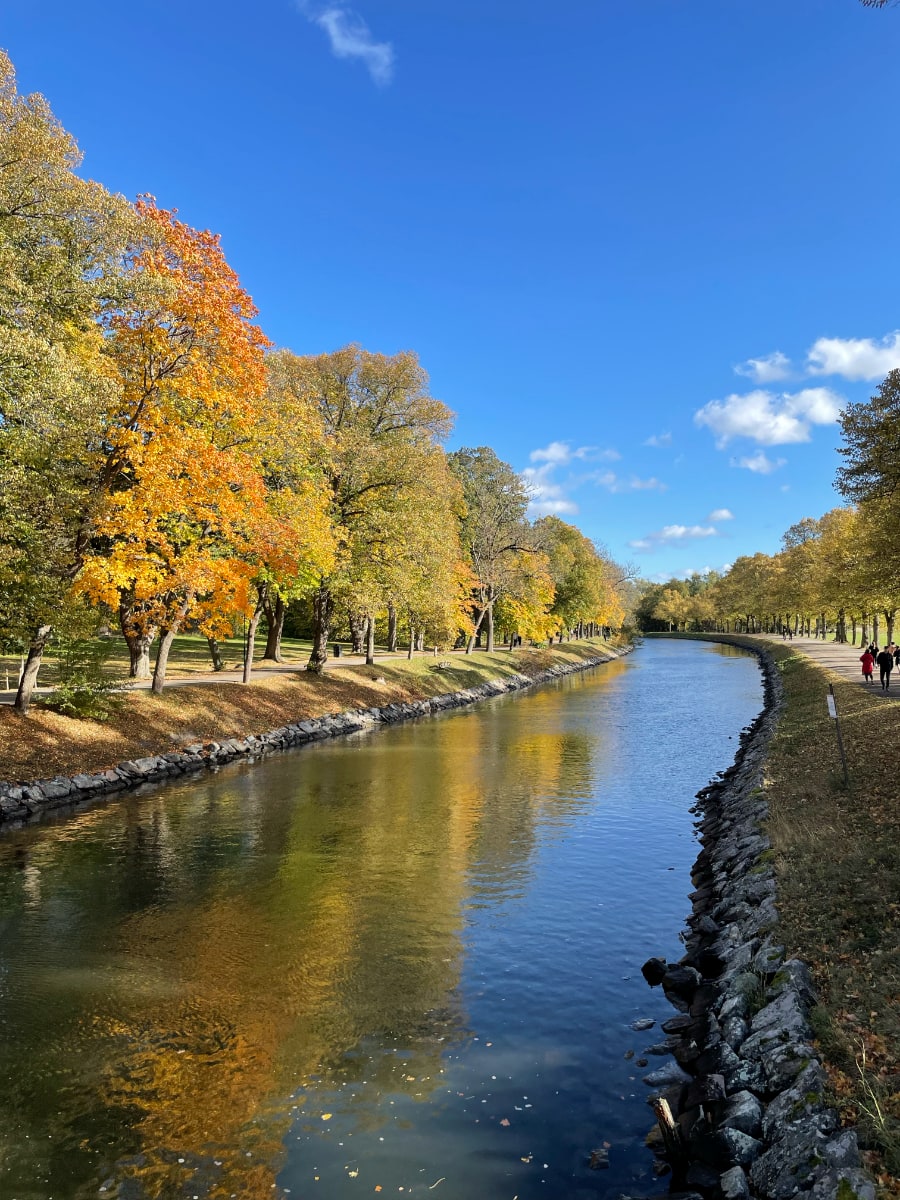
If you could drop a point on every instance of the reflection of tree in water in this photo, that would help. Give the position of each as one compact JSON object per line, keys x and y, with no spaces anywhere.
{"x":530,"y":769}
{"x":216,"y":955}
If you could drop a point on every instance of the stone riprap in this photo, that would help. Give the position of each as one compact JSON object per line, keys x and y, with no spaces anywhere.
{"x":749,"y":1101}
{"x":20,"y":802}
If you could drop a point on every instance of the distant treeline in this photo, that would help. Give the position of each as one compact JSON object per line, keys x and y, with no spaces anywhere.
{"x":838,"y":571}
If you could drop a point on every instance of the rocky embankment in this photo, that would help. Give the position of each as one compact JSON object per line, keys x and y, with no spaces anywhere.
{"x":748,"y":1094}
{"x":21,"y":802}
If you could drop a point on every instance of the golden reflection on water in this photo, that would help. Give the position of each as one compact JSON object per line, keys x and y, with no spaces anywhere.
{"x":202,"y":953}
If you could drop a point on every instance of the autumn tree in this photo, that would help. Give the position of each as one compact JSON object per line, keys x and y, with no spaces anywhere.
{"x":180,"y":487}
{"x":380,"y":426}
{"x":60,"y":243}
{"x":494,"y":533}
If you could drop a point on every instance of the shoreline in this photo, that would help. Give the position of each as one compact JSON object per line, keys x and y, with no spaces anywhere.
{"x":749,"y":1099}
{"x":27,"y":802}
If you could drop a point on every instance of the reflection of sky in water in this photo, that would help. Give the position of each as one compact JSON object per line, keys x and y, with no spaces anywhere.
{"x":406,"y":962}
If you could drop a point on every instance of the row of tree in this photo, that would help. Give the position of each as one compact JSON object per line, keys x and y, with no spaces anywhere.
{"x":162,"y":463}
{"x":841,"y":570}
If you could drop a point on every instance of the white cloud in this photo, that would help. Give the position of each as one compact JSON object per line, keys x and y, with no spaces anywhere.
{"x":350,"y":37}
{"x":546,"y":495}
{"x":670,"y":534}
{"x":854,"y":358}
{"x":556,"y":452}
{"x":769,"y":369}
{"x":560,"y":453}
{"x":769,"y":418}
{"x":759,"y":463}
{"x":660,"y":440}
{"x":615,"y":484}
{"x":721,"y":514}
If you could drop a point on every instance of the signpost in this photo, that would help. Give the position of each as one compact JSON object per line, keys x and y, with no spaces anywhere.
{"x":832,"y":712}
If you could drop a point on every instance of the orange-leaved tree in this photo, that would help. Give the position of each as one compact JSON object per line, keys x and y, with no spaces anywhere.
{"x":180,"y":489}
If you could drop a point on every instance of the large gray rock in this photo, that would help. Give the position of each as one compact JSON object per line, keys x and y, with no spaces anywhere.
{"x":843,"y":1183}
{"x":734,"y":1185}
{"x":782,"y":1064}
{"x":788,"y":1166}
{"x":843,"y":1150}
{"x":743,"y":1111}
{"x":665,"y":1076}
{"x":803,"y":1099}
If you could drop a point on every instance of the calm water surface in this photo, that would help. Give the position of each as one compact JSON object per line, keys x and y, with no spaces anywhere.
{"x":403,"y":963}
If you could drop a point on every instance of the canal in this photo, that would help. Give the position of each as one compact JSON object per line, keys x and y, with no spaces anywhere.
{"x":403,"y":963}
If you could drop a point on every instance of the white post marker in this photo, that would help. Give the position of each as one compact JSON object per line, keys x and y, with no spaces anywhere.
{"x":832,"y":712}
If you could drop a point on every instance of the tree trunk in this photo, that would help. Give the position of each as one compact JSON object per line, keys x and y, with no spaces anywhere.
{"x":490,"y":630}
{"x":167,"y":637}
{"x":275,"y":614}
{"x":251,"y":643}
{"x":32,"y":666}
{"x":864,"y":632}
{"x":889,"y":615}
{"x":139,"y":639}
{"x":853,"y":627}
{"x":420,"y":641}
{"x":392,"y":629}
{"x":370,"y":641}
{"x":162,"y":660}
{"x":215,"y":654}
{"x":875,"y":629}
{"x":412,"y":640}
{"x":470,"y":645}
{"x":323,"y":611}
{"x":357,"y":632}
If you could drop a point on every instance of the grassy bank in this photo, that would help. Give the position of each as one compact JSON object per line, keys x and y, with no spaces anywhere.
{"x":838,"y":864}
{"x":837,"y":857}
{"x":44,"y":744}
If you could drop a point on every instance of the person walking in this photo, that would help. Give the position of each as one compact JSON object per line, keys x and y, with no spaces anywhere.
{"x":868,"y":665}
{"x":885,"y":662}
{"x":897,"y":657}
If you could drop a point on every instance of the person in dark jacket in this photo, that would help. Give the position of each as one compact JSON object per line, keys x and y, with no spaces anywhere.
{"x":885,"y":662}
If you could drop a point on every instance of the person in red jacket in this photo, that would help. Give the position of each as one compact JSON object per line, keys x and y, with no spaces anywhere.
{"x":867,"y":658}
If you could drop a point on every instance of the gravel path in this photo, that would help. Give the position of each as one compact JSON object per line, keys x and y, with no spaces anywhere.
{"x":844,"y":661}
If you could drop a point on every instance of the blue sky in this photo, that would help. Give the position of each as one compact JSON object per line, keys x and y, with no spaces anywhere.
{"x":644,"y":249}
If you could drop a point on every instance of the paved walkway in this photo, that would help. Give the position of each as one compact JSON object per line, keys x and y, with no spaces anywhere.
{"x":232,"y":676}
{"x":259,"y":669}
{"x":844,"y":661}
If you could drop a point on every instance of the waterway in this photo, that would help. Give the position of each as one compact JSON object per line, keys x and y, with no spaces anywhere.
{"x":403,"y":963}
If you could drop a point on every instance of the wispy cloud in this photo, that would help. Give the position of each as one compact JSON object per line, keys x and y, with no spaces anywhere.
{"x":770,"y":418}
{"x":350,"y":37}
{"x":547,"y":496}
{"x":769,"y":369}
{"x":561,"y":453}
{"x":721,"y":514}
{"x":616,"y":484}
{"x":672,"y":535}
{"x":854,"y":358}
{"x":660,"y":440}
{"x":759,"y":463}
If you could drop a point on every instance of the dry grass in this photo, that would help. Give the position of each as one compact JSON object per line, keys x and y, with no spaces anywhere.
{"x":44,"y":744}
{"x":838,"y":864}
